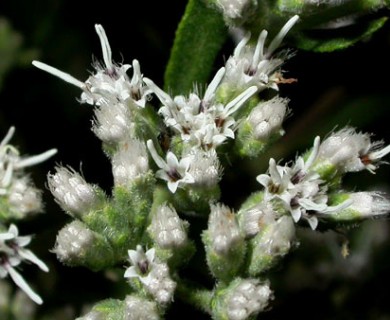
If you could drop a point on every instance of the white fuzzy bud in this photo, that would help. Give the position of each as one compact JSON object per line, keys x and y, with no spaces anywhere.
{"x":205,"y":167}
{"x":254,"y":219}
{"x":266,"y":119}
{"x":223,"y":229}
{"x":113,"y":123}
{"x":363,"y":205}
{"x":129,"y":162}
{"x":278,"y":238}
{"x":352,"y":151}
{"x":233,"y":9}
{"x":24,"y":198}
{"x":166,"y":229}
{"x":72,"y":192}
{"x":369,"y":204}
{"x":73,"y":241}
{"x":246,"y":298}
{"x":159,"y":283}
{"x":137,"y":308}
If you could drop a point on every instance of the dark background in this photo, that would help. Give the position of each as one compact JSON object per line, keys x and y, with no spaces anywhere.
{"x":349,"y":87}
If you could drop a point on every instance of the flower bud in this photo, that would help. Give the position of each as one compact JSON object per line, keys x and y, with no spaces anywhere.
{"x":167,"y":229}
{"x":270,"y":245}
{"x":363,"y":205}
{"x":242,"y":299}
{"x":224,"y":243}
{"x":137,"y":308}
{"x":77,"y":245}
{"x":72,"y":192}
{"x":129,"y":162}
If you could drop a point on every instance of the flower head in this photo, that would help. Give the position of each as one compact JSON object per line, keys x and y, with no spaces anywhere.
{"x":175,"y":172}
{"x":201,"y":122}
{"x":352,"y":151}
{"x":22,"y":197}
{"x":110,"y":83}
{"x":254,"y":65}
{"x":72,"y":192}
{"x":12,"y":253}
{"x":154,"y":275}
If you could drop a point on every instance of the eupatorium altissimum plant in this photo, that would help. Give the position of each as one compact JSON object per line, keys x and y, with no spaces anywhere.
{"x":168,"y":156}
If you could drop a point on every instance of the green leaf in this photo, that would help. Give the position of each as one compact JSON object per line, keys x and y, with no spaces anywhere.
{"x":331,"y":40}
{"x":199,"y":37}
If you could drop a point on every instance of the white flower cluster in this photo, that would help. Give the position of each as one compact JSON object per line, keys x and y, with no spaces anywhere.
{"x":12,"y":254}
{"x":201,"y":122}
{"x":304,"y":193}
{"x":18,"y":198}
{"x":16,"y":190}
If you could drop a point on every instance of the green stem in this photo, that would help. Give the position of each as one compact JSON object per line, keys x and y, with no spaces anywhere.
{"x":193,"y":295}
{"x":199,"y":38}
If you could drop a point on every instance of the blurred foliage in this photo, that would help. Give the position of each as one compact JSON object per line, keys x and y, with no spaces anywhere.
{"x":346,"y":87}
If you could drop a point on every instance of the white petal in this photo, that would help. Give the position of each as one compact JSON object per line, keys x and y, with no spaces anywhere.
{"x":157,"y":159}
{"x":280,"y":36}
{"x":22,"y":284}
{"x":172,"y":186}
{"x":30,"y":161}
{"x":296,"y":214}
{"x":212,"y":87}
{"x":172,"y":161}
{"x":8,"y":136}
{"x":58,"y":73}
{"x":30,"y":256}
{"x":313,"y":222}
{"x":131,"y":272}
{"x":106,"y":49}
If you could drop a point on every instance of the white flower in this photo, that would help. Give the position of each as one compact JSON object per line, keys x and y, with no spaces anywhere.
{"x":141,"y":263}
{"x":154,"y":275}
{"x":174,"y":172}
{"x":300,"y":190}
{"x":254,"y":66}
{"x":110,"y":83}
{"x":15,"y":186}
{"x":205,"y":122}
{"x":12,"y":253}
{"x":72,"y":192}
{"x":11,"y":162}
{"x":352,"y":151}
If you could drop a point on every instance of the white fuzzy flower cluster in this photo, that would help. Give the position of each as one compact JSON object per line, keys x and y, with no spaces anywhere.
{"x":12,"y":254}
{"x":202,"y":123}
{"x":167,"y":229}
{"x":72,"y":192}
{"x":17,"y":193}
{"x":18,"y":198}
{"x":247,"y":298}
{"x":302,"y":191}
{"x":153,"y":274}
